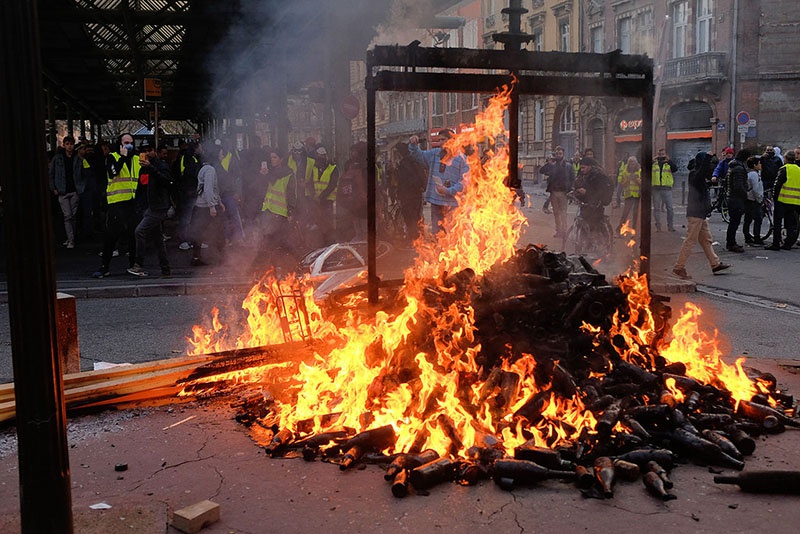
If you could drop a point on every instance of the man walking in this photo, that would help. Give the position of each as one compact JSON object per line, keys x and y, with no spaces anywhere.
{"x":697,"y":224}
{"x":560,"y":178}
{"x":736,"y":192}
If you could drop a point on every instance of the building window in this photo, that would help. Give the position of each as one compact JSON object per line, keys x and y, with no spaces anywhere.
{"x":680,"y":24}
{"x":624,"y":35}
{"x":563,"y":35}
{"x":438,"y":104}
{"x":704,"y":18}
{"x":452,"y":102}
{"x":598,"y":47}
{"x":538,"y":120}
{"x":567,"y":123}
{"x":644,"y":33}
{"x":537,"y":42}
{"x":471,"y":34}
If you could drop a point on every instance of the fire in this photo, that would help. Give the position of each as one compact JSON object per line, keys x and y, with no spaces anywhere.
{"x":415,"y":367}
{"x":689,"y":343}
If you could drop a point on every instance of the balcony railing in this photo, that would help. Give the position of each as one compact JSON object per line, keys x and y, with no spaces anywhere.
{"x":706,"y":67}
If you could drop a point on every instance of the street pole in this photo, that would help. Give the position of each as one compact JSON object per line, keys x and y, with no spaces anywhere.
{"x":45,"y":497}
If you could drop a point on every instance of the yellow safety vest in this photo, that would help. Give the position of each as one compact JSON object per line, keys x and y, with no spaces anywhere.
{"x":790,"y":190}
{"x":275,"y":200}
{"x":226,"y":162}
{"x":310,"y":166}
{"x":323,"y":180}
{"x":123,"y":186}
{"x":663,"y":176}
{"x":630,"y":189}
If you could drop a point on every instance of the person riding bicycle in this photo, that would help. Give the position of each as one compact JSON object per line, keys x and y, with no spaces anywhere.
{"x":594,"y":189}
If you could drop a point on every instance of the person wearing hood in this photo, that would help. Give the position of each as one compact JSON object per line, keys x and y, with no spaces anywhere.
{"x":736,"y":192}
{"x":778,"y":154}
{"x":697,"y":207}
{"x":770,"y":163}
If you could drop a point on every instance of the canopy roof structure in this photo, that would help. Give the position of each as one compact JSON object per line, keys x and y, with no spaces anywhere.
{"x":97,"y":53}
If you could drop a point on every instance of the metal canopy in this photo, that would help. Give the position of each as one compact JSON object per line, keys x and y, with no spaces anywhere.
{"x":395,"y":68}
{"x":96,"y":53}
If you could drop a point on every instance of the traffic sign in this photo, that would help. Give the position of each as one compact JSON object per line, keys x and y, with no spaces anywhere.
{"x":742,"y":129}
{"x":152,"y":90}
{"x":743,"y":117}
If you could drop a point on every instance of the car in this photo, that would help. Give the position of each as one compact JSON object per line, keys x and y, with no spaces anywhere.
{"x":339,"y":265}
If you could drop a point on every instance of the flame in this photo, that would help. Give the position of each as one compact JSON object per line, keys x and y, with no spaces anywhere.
{"x":415,"y":368}
{"x":690,"y":342}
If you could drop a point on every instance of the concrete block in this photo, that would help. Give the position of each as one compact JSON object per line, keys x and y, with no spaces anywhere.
{"x":67,"y":333}
{"x":196,"y":517}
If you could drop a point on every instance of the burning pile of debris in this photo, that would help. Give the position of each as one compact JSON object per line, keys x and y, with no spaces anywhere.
{"x":561,"y":387}
{"x":490,"y":361}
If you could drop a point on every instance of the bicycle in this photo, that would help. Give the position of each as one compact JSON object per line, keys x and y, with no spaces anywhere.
{"x":719,"y":202}
{"x":584,"y":239}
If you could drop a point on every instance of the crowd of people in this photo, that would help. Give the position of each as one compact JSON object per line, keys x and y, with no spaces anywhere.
{"x":286,"y":205}
{"x":213,"y":195}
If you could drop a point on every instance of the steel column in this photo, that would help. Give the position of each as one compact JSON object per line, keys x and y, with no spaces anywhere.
{"x":45,"y":498}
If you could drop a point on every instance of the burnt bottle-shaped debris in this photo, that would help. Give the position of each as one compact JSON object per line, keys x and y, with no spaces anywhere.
{"x":782,"y":482}
{"x":723,"y":443}
{"x":526,"y":472}
{"x":400,"y":483}
{"x":409,"y":461}
{"x":626,"y":470}
{"x":704,"y":450}
{"x":279,"y":442}
{"x":655,"y":485}
{"x":350,"y":457}
{"x":543,"y":456}
{"x":757,"y":412}
{"x":641,"y":456}
{"x":584,"y":477}
{"x":433,"y":473}
{"x":654,"y":467}
{"x":604,"y":472}
{"x":742,"y":440}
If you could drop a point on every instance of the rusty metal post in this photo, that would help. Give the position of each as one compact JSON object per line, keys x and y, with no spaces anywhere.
{"x":647,"y":181}
{"x":45,"y":498}
{"x":512,"y":40}
{"x":372,"y":276}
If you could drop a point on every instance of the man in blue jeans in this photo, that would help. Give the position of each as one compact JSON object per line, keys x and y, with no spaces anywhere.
{"x":446,"y":177}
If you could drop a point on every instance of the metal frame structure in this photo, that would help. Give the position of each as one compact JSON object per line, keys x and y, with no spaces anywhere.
{"x":414,"y":68}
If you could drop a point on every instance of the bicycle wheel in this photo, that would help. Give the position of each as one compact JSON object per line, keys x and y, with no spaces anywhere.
{"x":723,"y":209}
{"x":766,"y":221}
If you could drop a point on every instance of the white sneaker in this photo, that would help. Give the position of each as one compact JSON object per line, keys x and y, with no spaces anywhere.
{"x":70,"y":245}
{"x":184,"y":246}
{"x":203,"y":245}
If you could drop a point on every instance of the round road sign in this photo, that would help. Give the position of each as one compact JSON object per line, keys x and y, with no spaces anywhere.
{"x":743,"y":118}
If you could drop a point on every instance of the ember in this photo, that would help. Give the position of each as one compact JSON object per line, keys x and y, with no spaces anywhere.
{"x":487,"y":352}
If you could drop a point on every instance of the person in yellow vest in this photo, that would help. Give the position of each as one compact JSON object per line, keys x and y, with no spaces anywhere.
{"x":787,"y":203}
{"x":630,"y":181}
{"x":278,"y":209}
{"x":326,"y":178}
{"x":229,"y":176}
{"x":662,"y":188}
{"x":302,"y":164}
{"x":123,"y":171}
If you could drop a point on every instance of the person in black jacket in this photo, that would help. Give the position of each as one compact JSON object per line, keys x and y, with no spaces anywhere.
{"x":560,"y":178}
{"x":697,"y":205}
{"x":736,"y":192}
{"x":159,"y":187}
